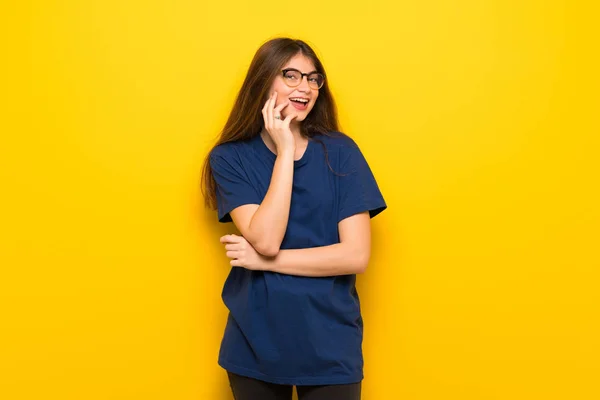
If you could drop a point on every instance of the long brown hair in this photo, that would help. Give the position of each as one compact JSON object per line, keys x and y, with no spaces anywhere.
{"x":245,"y":120}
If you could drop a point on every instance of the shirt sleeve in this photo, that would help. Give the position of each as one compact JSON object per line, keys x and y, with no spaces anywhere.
{"x":359,"y":191}
{"x":233,"y":186}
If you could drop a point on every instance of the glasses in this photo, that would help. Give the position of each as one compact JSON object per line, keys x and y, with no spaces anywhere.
{"x":292,"y":77}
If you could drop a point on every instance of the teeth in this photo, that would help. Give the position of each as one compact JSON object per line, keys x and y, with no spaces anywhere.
{"x":300,"y":100}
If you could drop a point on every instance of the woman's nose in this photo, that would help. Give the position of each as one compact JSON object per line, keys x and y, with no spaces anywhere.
{"x":304,"y":84}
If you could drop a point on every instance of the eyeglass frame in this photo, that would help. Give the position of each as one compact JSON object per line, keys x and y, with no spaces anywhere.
{"x":302,"y":75}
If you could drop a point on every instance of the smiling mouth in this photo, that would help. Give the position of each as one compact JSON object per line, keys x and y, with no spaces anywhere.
{"x":300,"y":100}
{"x":299,"y":103}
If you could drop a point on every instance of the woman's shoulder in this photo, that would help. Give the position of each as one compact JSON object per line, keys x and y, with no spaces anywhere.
{"x":336,"y":139}
{"x":230,"y":149}
{"x":339,"y":145}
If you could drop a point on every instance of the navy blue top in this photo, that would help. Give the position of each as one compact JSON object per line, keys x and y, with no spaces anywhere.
{"x":289,"y":329}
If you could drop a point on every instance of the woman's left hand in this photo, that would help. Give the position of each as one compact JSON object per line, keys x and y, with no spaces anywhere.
{"x":242,"y":253}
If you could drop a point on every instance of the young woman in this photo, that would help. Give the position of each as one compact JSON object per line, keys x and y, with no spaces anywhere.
{"x":301,"y":194}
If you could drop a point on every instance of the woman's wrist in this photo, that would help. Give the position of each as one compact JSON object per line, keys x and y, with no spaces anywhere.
{"x":286,"y":153}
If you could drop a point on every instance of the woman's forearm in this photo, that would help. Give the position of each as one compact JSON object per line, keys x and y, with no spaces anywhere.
{"x":332,"y":260}
{"x":269,"y":222}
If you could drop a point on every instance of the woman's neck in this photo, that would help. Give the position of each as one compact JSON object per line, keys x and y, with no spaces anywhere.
{"x":301,"y":141}
{"x":296,"y":129}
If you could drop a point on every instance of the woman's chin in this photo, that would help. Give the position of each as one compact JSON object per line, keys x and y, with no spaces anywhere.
{"x":299,"y":117}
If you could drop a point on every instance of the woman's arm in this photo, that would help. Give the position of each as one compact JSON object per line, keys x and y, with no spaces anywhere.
{"x":264,"y":225}
{"x":350,"y":256}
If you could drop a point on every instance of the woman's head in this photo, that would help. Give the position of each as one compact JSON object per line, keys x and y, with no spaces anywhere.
{"x":275,"y":67}
{"x":265,"y":75}
{"x":292,"y":87}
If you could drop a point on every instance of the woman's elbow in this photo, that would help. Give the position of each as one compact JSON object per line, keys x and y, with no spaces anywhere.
{"x":362,"y":261}
{"x":361,"y":269}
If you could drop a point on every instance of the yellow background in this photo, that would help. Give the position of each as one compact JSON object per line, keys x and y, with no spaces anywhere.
{"x":478,"y":118}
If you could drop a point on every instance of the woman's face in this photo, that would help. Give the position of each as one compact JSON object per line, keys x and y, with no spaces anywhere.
{"x":299,"y":95}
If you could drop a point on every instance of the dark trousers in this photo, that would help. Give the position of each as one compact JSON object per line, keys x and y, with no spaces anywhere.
{"x":245,"y":388}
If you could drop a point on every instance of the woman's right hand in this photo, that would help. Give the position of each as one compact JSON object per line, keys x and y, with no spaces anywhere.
{"x":279,"y":129}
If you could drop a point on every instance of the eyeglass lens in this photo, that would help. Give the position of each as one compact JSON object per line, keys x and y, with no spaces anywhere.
{"x":293,"y":78}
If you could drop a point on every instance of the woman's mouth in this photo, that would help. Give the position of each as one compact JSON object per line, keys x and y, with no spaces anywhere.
{"x":299,"y":103}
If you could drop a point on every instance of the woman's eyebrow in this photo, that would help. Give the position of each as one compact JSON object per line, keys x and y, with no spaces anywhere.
{"x":307,"y":73}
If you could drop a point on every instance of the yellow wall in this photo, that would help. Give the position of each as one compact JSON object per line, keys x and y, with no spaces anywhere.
{"x":479,"y":119}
